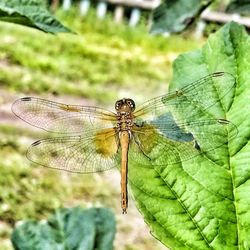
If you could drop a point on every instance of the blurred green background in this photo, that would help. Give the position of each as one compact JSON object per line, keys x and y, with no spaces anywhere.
{"x":101,"y":63}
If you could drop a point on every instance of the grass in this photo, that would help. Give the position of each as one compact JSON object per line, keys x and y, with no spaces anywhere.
{"x":102,"y":56}
{"x":102,"y":62}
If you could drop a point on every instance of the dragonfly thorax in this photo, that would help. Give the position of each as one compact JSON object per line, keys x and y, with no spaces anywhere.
{"x":124,"y":121}
{"x":124,"y":109}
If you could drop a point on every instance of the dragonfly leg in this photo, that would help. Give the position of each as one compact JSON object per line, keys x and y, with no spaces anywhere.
{"x":139,"y":146}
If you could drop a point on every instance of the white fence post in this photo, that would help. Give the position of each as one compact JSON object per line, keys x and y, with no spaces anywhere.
{"x":119,"y":11}
{"x":66,"y":4}
{"x":101,"y":9}
{"x":134,"y":17}
{"x":84,"y":7}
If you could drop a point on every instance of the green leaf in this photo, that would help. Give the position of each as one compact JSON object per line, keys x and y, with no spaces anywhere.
{"x":30,"y":13}
{"x":73,"y":228}
{"x":239,"y":6}
{"x":203,"y":203}
{"x":175,"y":16}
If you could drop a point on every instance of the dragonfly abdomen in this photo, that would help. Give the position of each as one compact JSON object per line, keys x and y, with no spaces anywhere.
{"x":124,"y":142}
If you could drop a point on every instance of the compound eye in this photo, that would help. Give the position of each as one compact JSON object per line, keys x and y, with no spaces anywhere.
{"x":117,"y":105}
{"x":130,"y":104}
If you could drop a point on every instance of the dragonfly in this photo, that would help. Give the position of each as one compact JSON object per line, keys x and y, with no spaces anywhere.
{"x":89,"y":139}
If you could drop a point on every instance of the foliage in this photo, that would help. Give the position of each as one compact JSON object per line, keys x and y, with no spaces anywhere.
{"x":239,"y":6}
{"x":176,"y":16}
{"x":204,"y":203}
{"x":30,"y":13}
{"x":73,"y":228}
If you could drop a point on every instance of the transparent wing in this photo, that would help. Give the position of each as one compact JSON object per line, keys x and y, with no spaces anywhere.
{"x":61,"y":118}
{"x":192,"y":100}
{"x":172,"y":143}
{"x":80,"y":154}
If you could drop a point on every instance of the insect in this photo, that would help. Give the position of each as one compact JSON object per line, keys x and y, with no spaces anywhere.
{"x":178,"y":125}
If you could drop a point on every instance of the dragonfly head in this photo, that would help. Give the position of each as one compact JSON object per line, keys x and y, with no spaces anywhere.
{"x":125,"y":105}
